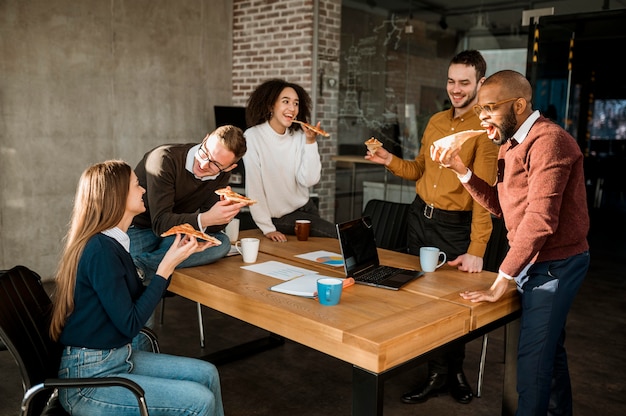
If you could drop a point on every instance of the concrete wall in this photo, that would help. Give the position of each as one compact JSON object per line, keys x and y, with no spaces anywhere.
{"x":90,"y":80}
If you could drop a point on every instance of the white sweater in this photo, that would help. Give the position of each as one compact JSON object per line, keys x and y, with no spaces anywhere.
{"x":279,"y":170}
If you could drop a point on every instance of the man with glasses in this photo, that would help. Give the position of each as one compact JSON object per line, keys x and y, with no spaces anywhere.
{"x":180,"y":182}
{"x":443,"y":213}
{"x":541,"y":193}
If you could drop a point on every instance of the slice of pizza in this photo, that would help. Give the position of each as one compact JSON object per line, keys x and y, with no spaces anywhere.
{"x":456,"y":140}
{"x":317,"y":130}
{"x":189,"y":230}
{"x":373,"y":145}
{"x":231,"y":195}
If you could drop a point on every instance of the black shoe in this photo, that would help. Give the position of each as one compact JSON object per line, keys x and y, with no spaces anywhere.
{"x":460,"y":388}
{"x":435,"y":384}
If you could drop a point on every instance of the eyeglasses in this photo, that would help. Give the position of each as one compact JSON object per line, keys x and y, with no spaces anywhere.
{"x":205,"y":156}
{"x":490,"y":108}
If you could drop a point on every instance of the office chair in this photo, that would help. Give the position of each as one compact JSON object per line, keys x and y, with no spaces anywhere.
{"x":496,"y":250}
{"x":389,"y":220}
{"x":25,"y":313}
{"x":169,"y":294}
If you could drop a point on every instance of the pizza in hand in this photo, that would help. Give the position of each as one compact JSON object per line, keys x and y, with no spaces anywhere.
{"x":317,"y":130}
{"x":189,"y":230}
{"x":233,"y":196}
{"x":452,"y":142}
{"x":456,"y":140}
{"x":373,"y":145}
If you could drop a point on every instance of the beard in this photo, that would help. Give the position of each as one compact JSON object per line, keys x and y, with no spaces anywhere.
{"x":507,"y":129}
{"x":470,"y":98}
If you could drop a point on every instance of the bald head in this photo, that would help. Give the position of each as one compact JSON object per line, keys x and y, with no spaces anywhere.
{"x":511,"y":84}
{"x":504,"y":104}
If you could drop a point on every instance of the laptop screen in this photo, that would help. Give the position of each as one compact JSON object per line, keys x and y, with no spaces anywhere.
{"x":358,"y":245}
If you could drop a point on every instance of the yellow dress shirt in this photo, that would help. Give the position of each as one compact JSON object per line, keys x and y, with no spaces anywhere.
{"x":439,"y":186}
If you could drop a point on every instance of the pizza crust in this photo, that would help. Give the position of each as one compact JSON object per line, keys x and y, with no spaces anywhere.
{"x":189,"y":230}
{"x":233,"y":196}
{"x":317,"y":130}
{"x":373,"y":145}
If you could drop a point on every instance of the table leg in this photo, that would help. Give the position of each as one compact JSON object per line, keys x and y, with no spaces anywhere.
{"x":367,"y":393}
{"x":244,"y":350}
{"x":509,"y":388}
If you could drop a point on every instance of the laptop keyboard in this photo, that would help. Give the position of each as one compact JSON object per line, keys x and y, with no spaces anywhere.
{"x":378,"y":275}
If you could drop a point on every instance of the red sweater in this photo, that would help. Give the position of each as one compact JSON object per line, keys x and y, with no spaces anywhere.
{"x":541,"y":193}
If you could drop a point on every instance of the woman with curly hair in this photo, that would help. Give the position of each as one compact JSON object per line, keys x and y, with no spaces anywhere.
{"x":282,"y":161}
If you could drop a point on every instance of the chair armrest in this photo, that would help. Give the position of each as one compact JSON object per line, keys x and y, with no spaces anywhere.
{"x":53,"y":383}
{"x":152,"y":337}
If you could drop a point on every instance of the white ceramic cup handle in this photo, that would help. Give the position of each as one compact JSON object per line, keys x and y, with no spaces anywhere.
{"x":238,"y":247}
{"x":442,"y":261}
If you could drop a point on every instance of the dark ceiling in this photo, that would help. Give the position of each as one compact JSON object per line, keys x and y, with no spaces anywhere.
{"x":501,"y":16}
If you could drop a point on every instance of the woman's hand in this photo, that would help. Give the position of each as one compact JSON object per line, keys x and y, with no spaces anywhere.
{"x":179,"y":251}
{"x":277,"y":236}
{"x":311,"y":136}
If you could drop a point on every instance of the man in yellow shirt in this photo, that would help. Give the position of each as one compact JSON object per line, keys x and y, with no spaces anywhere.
{"x":443,"y":214}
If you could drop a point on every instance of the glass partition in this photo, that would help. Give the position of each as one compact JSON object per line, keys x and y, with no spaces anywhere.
{"x":393,"y":73}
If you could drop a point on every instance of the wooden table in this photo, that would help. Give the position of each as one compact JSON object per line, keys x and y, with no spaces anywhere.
{"x":380,"y":332}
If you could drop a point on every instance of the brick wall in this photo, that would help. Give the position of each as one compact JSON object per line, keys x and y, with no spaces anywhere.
{"x":275,"y":39}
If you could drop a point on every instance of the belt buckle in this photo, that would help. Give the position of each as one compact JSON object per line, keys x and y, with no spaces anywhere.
{"x":428,"y":211}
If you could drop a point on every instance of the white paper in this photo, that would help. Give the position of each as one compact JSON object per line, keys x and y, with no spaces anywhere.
{"x":323,"y":257}
{"x":305,"y":286}
{"x":233,"y":251}
{"x":278,"y":270}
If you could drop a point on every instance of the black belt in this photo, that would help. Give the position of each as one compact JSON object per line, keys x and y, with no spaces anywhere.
{"x":432,"y":213}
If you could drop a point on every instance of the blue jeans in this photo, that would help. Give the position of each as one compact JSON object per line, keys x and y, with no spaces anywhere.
{"x":547,"y":293}
{"x":173,"y":385}
{"x":148,"y":249}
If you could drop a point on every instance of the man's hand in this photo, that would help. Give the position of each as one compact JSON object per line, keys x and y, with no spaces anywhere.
{"x":494,"y":293}
{"x":467,"y":263}
{"x":382,"y":156}
{"x":221,"y":213}
{"x":448,"y":158}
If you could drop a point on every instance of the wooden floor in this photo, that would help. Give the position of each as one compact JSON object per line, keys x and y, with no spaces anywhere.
{"x":294,"y":380}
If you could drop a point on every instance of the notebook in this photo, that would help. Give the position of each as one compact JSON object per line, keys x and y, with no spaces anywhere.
{"x":360,"y":257}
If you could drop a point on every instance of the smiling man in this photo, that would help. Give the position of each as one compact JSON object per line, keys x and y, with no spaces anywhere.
{"x":180,"y":182}
{"x":443,"y":213}
{"x":541,"y":194}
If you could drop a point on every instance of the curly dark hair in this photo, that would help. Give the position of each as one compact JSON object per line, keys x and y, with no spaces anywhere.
{"x":262,"y":100}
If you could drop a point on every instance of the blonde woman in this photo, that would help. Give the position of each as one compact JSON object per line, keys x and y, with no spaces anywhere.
{"x":101,"y":304}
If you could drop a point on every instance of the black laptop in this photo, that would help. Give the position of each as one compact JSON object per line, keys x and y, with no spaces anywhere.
{"x":360,"y":257}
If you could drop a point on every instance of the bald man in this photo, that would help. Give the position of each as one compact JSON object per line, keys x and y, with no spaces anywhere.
{"x":540,"y":191}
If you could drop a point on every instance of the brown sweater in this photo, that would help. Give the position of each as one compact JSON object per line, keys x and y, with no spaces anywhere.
{"x":541,"y":194}
{"x":173,"y":194}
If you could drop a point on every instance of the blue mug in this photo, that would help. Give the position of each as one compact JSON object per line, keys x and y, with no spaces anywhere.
{"x":329,"y":290}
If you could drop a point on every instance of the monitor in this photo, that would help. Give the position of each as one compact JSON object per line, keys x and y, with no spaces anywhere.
{"x":237,"y":117}
{"x":609,"y":120}
{"x":230,"y":115}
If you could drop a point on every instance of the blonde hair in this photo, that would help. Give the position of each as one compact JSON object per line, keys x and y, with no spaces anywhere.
{"x":99,"y":205}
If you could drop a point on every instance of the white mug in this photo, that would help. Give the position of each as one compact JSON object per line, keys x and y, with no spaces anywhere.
{"x":232,"y":230}
{"x":248,"y":248}
{"x":429,"y":258}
